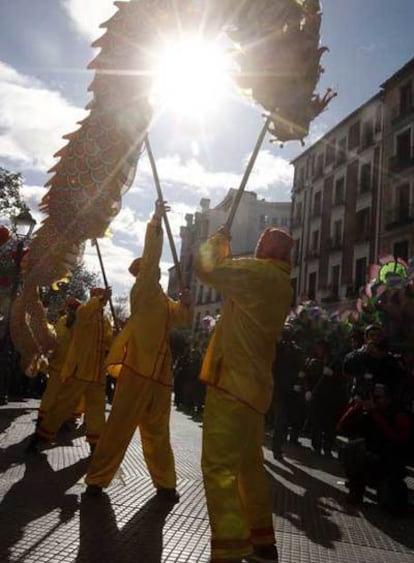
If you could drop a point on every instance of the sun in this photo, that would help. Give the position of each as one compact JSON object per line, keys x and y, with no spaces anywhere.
{"x":191,"y":76}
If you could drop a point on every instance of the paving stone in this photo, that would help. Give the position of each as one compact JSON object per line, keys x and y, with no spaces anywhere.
{"x":44,"y":516}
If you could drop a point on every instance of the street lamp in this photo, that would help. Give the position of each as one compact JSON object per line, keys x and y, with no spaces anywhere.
{"x":23,"y":225}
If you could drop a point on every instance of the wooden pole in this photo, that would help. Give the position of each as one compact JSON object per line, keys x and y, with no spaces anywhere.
{"x":166,"y":222}
{"x":105,"y":279}
{"x":247,"y":173}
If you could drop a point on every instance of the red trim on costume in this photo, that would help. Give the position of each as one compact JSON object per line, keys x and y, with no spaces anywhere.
{"x":261,"y":532}
{"x":45,"y":433}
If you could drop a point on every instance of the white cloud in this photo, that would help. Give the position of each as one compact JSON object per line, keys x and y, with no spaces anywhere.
{"x":32,"y":120}
{"x":87,"y":15}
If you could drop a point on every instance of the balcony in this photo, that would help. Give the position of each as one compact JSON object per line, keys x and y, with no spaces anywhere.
{"x":363,"y":235}
{"x":400,"y":216}
{"x":367,"y":141}
{"x":365,"y":186}
{"x":399,"y":162}
{"x":335,"y":243}
{"x":398,"y":114}
{"x":313,"y":254}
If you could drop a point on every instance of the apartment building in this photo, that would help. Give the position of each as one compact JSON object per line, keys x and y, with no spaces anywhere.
{"x":352,"y":196}
{"x":397,"y":225}
{"x":253,"y":215}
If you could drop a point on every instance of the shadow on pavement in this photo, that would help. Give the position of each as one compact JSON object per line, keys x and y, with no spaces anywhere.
{"x":39,"y":492}
{"x":312,"y":512}
{"x":141,"y":539}
{"x":8,"y":416}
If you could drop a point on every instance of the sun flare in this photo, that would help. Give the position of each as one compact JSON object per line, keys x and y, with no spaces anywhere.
{"x":192,"y":76}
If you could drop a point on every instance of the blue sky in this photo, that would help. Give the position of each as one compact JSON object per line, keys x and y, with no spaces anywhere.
{"x":44,"y":51}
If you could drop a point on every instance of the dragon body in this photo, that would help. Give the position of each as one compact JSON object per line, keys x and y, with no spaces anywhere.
{"x":279,"y":57}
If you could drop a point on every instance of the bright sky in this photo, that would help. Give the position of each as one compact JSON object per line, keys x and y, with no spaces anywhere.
{"x":44,"y":50}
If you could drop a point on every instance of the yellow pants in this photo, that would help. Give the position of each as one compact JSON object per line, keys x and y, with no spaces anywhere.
{"x":236,"y":485}
{"x":53,"y":386}
{"x":67,"y":400}
{"x":138,"y":402}
{"x":54,"y":383}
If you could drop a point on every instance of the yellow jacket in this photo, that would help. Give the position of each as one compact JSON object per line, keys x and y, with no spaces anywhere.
{"x":257,"y":297}
{"x":143,"y":344}
{"x":91,"y":339}
{"x":63,"y":337}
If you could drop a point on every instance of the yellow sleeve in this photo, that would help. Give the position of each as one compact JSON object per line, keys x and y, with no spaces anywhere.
{"x":147,"y":280}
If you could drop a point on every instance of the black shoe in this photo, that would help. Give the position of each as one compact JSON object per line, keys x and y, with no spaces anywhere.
{"x":92,"y":448}
{"x":264,"y":554}
{"x":34,"y":445}
{"x":278,"y":455}
{"x":170,"y":495}
{"x":354,"y":498}
{"x":94,"y":491}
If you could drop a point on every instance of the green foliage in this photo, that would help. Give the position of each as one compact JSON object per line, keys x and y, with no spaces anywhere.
{"x":11,"y":202}
{"x":77,"y":285}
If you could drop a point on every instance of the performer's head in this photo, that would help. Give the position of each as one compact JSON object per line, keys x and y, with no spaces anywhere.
{"x":274,"y":243}
{"x":134,"y":267}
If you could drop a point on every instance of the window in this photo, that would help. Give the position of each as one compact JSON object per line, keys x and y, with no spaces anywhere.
{"x":284,"y":222}
{"x":401,"y":249}
{"x":312,"y":285}
{"x":404,"y":146}
{"x":330,"y":152}
{"x":406,"y":98}
{"x":339,"y":191}
{"x":262,"y":222}
{"x":319,"y":166}
{"x":362,"y":224}
{"x":337,"y":233}
{"x":335,"y":280}
{"x":315,"y":241}
{"x":402,"y":202}
{"x":298,"y":214}
{"x":354,"y":136}
{"x":365,"y":178}
{"x":360,"y":273}
{"x":275,"y":221}
{"x":317,"y":204}
{"x":367,"y":133}
{"x":341,"y":154}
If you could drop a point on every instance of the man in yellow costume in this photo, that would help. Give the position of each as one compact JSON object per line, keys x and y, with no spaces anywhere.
{"x":64,"y":329}
{"x":141,"y":357}
{"x":238,"y":371}
{"x":83,"y":373}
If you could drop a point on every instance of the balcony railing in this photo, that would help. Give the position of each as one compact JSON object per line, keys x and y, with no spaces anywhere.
{"x":399,"y":217}
{"x":367,"y":141}
{"x":340,"y":159}
{"x":398,"y":162}
{"x":313,"y":253}
{"x":316,"y":212}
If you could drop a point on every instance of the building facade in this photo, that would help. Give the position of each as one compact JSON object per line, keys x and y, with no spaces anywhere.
{"x":353,"y":194}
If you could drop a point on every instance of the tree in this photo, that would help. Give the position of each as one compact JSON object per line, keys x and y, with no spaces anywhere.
{"x":121,"y":307}
{"x":11,"y":202}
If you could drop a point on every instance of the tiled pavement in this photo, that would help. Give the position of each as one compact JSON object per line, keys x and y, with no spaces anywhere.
{"x":45,"y":518}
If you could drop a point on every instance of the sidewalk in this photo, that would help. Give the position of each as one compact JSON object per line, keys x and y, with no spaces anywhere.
{"x":44,"y":517}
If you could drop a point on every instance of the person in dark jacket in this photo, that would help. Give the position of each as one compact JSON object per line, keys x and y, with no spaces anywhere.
{"x":288,"y":395}
{"x":377,"y":452}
